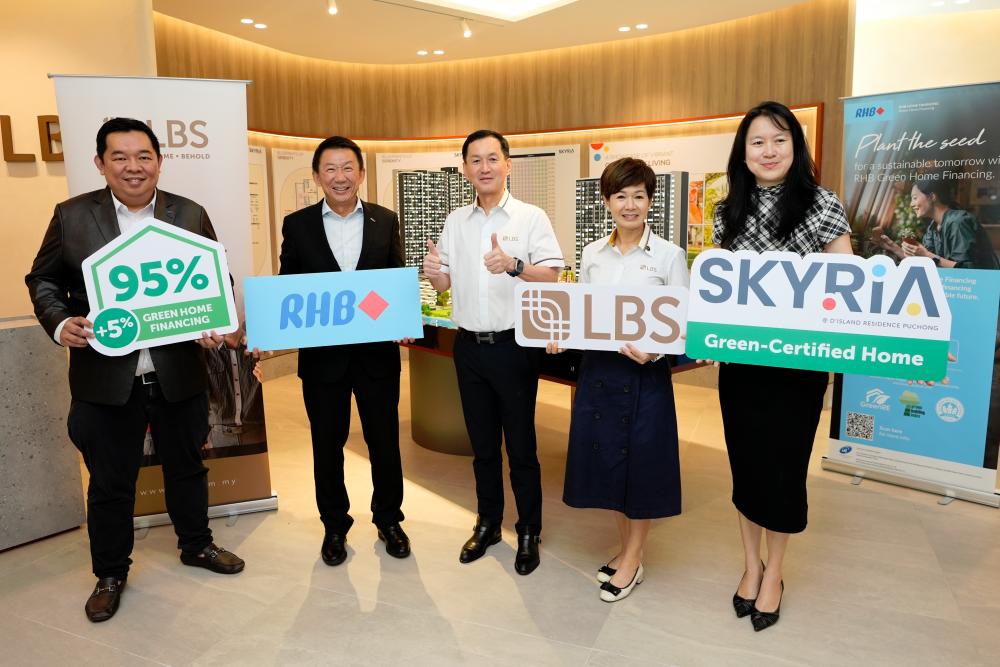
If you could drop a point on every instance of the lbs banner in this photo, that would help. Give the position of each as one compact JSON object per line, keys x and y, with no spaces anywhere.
{"x":922,"y":179}
{"x":161,"y":284}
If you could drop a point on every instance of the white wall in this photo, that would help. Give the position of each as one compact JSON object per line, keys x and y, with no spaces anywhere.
{"x":926,"y":51}
{"x":36,"y":38}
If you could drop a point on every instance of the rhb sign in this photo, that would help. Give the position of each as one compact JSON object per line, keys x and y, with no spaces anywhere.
{"x":827,"y":312}
{"x":335,"y":308}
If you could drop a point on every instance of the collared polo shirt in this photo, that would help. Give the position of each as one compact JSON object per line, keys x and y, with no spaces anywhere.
{"x":482,"y":301}
{"x":655,"y":261}
{"x":344,"y":234}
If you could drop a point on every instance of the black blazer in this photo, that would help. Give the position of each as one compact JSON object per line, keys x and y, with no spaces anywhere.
{"x":305,"y":249}
{"x":79,"y":227}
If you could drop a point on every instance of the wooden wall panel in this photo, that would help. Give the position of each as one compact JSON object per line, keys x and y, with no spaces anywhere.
{"x":797,"y":55}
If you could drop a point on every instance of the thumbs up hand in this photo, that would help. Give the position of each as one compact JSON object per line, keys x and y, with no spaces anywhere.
{"x":496,"y":260}
{"x":432,"y":261}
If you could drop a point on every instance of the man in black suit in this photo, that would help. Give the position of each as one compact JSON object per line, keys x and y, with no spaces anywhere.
{"x":115,"y":398}
{"x":343,"y":233}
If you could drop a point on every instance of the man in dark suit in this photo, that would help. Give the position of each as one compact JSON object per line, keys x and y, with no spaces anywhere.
{"x":343,"y":233}
{"x":115,"y":398}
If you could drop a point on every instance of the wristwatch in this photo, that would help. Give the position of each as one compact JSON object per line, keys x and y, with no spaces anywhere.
{"x":518,"y":268}
{"x":936,"y":259}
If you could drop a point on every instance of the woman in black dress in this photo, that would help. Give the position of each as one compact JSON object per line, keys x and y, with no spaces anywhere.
{"x":770,"y":414}
{"x":622,"y":453}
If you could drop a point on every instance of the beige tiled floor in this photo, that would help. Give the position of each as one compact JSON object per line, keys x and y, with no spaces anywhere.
{"x":883,"y":575}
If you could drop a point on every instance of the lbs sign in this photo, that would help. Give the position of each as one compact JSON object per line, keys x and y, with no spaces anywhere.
{"x":601,"y":317}
{"x":827,"y":312}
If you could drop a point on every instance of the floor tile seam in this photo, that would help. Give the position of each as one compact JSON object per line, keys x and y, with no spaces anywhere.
{"x":739,"y":652}
{"x":451,"y":619}
{"x":91,"y":640}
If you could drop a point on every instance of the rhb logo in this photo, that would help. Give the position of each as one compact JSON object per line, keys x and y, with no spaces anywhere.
{"x":869,"y":112}
{"x":312,"y":309}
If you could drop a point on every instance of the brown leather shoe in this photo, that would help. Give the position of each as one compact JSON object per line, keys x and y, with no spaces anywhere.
{"x":214,"y":558}
{"x":103,"y":602}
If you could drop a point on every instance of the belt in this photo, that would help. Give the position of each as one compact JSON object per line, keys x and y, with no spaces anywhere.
{"x":487,"y":337}
{"x":147,"y":378}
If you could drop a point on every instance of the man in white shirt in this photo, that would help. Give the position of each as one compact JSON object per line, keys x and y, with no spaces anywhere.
{"x":484,"y":250}
{"x":115,"y":398}
{"x":343,"y":233}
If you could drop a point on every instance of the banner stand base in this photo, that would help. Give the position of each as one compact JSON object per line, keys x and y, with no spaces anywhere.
{"x":981,"y":497}
{"x":230,"y":510}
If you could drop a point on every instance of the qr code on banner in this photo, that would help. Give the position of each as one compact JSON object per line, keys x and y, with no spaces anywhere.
{"x":860,"y":425}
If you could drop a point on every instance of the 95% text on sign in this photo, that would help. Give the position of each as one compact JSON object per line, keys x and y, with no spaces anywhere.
{"x":160,"y":284}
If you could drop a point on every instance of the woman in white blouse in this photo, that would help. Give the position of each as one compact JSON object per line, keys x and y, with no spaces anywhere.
{"x":622,"y":452}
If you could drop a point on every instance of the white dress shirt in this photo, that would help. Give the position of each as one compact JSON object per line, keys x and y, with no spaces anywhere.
{"x":483,"y":301}
{"x":126,"y":221}
{"x":655,"y":261}
{"x":344,"y":234}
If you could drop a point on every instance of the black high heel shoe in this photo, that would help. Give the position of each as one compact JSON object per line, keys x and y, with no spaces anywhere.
{"x":743,"y":606}
{"x":762,"y":620}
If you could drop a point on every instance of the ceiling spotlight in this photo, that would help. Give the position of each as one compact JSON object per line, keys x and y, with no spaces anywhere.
{"x":246,"y":21}
{"x":641,"y":26}
{"x":331,"y":7}
{"x":438,"y":52}
{"x":961,"y":2}
{"x":624,"y":28}
{"x":422,"y":52}
{"x":260,"y":26}
{"x":466,"y":30}
{"x":938,"y":3}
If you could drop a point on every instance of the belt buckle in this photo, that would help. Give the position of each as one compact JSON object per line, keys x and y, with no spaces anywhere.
{"x":143,"y":377}
{"x":484,"y":337}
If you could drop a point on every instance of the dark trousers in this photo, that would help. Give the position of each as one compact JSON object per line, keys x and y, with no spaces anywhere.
{"x":498,"y":385}
{"x":328,"y":405}
{"x":111,"y":439}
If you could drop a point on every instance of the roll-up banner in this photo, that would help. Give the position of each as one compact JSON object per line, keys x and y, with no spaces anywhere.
{"x":922,"y":178}
{"x":202,"y":128}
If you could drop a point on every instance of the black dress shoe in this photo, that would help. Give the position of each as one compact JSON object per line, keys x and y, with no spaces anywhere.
{"x":334,"y":550}
{"x":484,"y":535}
{"x":214,"y":558}
{"x":762,"y":620}
{"x":397,"y":544}
{"x":103,"y":602}
{"x":744,"y":606}
{"x":527,"y":554}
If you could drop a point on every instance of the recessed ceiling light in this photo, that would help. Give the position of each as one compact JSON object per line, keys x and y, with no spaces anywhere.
{"x":422,"y":52}
{"x":246,"y":21}
{"x":438,"y":52}
{"x":331,"y":7}
{"x":962,"y":2}
{"x":938,"y":3}
{"x":624,"y":28}
{"x":507,"y":10}
{"x":641,"y":26}
{"x":260,"y":26}
{"x":466,"y":30}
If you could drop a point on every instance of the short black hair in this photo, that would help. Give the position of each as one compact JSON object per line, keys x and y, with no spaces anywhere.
{"x":484,"y":134}
{"x":124,"y":125}
{"x":626,"y":172}
{"x":337,"y":142}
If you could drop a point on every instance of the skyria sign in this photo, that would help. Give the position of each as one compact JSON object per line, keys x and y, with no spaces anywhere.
{"x":822,"y":312}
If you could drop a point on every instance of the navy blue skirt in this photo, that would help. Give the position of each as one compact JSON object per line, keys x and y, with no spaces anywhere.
{"x":623,"y":439}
